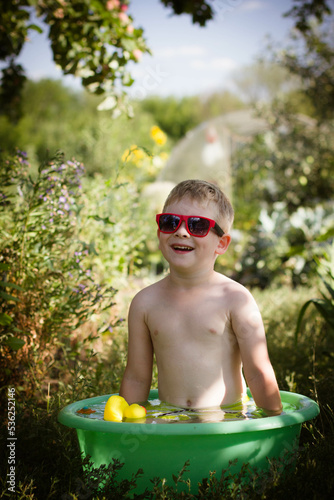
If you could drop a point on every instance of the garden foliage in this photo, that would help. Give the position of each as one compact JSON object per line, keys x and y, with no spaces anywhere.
{"x":48,"y":285}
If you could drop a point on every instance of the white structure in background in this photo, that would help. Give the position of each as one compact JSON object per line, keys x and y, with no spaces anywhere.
{"x":205,"y":152}
{"x":156,"y":194}
{"x":213,"y":150}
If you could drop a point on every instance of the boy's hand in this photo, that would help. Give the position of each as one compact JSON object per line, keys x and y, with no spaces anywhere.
{"x":272,"y":413}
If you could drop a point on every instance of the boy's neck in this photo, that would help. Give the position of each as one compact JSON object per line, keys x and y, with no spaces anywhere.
{"x":191,"y":280}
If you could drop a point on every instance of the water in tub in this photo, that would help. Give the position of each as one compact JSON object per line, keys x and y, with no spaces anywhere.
{"x":159,"y":412}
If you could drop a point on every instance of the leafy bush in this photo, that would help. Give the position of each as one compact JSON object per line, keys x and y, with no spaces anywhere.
{"x":324,"y":305}
{"x":47,"y":285}
{"x":281,"y":247}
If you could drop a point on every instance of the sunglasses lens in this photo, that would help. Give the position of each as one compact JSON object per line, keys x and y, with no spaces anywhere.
{"x":168,"y":223}
{"x":198,"y":226}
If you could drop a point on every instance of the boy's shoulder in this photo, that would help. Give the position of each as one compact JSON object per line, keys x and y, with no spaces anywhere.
{"x":232,"y":284}
{"x":148,"y":293}
{"x":235,"y":291}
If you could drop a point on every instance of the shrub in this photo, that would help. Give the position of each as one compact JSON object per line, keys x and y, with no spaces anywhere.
{"x":47,"y":286}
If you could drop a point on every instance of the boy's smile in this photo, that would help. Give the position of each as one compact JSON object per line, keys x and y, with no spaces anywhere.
{"x":178,"y":248}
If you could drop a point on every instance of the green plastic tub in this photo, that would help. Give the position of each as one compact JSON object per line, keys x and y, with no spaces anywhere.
{"x":162,"y":450}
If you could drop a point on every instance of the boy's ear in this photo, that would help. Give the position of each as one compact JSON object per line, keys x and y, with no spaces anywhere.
{"x":223,"y":244}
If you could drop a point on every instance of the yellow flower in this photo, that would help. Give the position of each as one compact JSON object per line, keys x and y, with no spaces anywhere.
{"x":133,"y":154}
{"x":158,"y":135}
{"x":164,"y":156}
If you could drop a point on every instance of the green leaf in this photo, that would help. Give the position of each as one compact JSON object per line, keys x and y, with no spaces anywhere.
{"x":6,"y":284}
{"x":14,"y":343}
{"x":329,"y":288}
{"x":35,"y":27}
{"x":325,"y":236}
{"x":18,"y":330}
{"x":92,"y":249}
{"x":8,"y":297}
{"x":5,"y":319}
{"x":325,"y":308}
{"x":105,"y":220}
{"x":300,"y":317}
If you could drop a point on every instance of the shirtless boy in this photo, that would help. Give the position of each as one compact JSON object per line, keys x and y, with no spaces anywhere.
{"x":205,"y":329}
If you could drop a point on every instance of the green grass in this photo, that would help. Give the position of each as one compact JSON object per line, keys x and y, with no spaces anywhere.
{"x":48,"y":464}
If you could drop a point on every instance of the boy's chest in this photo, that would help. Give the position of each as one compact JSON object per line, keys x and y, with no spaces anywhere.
{"x":189,"y":319}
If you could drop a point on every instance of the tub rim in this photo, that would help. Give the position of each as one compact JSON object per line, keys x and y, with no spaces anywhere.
{"x":308,"y":409}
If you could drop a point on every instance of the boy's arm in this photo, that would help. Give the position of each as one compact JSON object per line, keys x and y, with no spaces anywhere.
{"x":137,"y":377}
{"x":260,"y":377}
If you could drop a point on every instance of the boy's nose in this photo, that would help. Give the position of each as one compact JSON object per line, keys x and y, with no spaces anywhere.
{"x":182,"y":230}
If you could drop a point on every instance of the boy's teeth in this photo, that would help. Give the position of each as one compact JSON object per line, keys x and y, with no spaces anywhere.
{"x":182,"y":247}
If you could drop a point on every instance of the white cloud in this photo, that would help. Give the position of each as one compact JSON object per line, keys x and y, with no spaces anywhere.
{"x":253,"y":5}
{"x":183,"y":50}
{"x":217,"y":63}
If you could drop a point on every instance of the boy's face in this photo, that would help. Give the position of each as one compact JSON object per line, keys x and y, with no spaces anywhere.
{"x":187,"y":252}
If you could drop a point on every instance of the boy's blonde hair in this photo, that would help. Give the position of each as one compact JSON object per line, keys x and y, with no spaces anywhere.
{"x":203,"y":191}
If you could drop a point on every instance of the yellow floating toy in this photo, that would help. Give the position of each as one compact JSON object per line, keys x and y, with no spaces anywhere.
{"x":134,"y":411}
{"x":114,"y":408}
{"x":117,"y":409}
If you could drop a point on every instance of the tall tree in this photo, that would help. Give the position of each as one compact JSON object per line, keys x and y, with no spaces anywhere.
{"x":313,"y":61}
{"x":304,"y":10}
{"x":262,"y":81}
{"x":95,"y":40}
{"x":91,"y":39}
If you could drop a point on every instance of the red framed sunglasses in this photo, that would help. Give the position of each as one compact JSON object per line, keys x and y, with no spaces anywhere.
{"x":196,"y":225}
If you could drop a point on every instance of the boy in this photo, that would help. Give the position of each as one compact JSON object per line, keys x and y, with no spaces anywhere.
{"x":203,"y":327}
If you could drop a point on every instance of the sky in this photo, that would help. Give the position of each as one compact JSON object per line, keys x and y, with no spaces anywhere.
{"x":187,"y":59}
